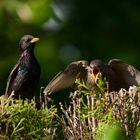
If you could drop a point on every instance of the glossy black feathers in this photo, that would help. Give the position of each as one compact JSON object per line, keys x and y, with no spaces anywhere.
{"x":25,"y":75}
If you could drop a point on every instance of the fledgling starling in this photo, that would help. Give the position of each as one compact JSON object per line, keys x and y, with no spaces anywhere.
{"x":76,"y":70}
{"x":118,"y":74}
{"x":25,"y":75}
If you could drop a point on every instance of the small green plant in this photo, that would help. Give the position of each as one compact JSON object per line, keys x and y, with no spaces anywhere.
{"x":21,"y":120}
{"x":102,"y":84}
{"x":100,"y":87}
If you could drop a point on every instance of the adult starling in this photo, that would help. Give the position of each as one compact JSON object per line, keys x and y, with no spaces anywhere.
{"x":25,"y":75}
{"x":118,"y":74}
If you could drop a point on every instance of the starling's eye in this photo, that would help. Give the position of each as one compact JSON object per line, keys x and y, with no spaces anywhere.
{"x":28,"y":40}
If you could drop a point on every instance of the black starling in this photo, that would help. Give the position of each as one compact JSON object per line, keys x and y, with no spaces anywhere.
{"x":25,"y":75}
{"x":118,"y":74}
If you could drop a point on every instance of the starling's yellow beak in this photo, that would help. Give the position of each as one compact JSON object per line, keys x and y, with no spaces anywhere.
{"x":34,"y":40}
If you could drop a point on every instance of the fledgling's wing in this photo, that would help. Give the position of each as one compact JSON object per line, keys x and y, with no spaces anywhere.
{"x":127,"y":75}
{"x":67,"y":77}
{"x":110,"y":77}
{"x":11,"y":78}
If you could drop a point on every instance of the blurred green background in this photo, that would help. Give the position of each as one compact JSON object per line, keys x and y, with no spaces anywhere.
{"x":69,"y":30}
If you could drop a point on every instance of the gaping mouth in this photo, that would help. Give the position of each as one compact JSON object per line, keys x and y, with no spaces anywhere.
{"x":96,"y":71}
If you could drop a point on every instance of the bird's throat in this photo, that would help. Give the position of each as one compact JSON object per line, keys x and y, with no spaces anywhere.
{"x":27,"y":55}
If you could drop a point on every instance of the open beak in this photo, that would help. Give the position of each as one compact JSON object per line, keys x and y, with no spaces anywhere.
{"x":34,"y":40}
{"x":96,"y":73}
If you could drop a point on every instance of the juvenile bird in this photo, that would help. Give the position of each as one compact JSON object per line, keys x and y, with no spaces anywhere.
{"x":25,"y":75}
{"x":83,"y":70}
{"x":118,"y":74}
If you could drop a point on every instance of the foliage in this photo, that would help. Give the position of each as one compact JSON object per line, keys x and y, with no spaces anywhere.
{"x":102,"y":116}
{"x":21,"y":120}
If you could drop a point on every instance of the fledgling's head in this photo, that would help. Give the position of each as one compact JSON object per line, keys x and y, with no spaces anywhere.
{"x":96,"y":68}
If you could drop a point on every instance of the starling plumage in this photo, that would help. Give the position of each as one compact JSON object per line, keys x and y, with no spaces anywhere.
{"x":118,"y":74}
{"x":25,"y":75}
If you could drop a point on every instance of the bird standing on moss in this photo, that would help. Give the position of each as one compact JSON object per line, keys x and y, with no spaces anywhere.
{"x":25,"y":75}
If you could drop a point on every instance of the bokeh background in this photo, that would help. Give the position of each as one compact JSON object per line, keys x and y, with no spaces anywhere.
{"x":69,"y":30}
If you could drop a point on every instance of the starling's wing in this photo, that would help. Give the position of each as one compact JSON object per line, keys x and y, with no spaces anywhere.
{"x":11,"y":78}
{"x":67,"y":77}
{"x":127,"y":75}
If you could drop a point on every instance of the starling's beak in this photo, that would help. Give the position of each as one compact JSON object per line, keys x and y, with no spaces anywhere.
{"x":96,"y":72}
{"x":34,"y":40}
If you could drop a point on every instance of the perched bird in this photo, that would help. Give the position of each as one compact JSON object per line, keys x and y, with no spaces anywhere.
{"x":25,"y":75}
{"x":118,"y":74}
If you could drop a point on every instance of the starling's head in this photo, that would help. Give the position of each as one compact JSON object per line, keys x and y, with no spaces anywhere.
{"x":27,"y":42}
{"x":96,"y":68}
